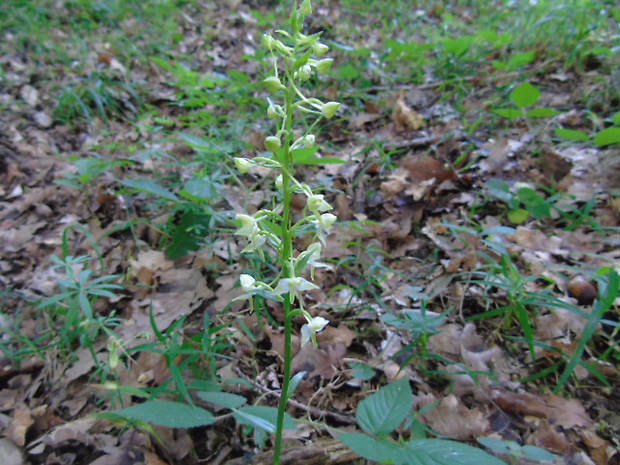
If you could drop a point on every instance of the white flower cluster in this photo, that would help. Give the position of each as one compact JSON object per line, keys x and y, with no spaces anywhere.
{"x":303,"y":56}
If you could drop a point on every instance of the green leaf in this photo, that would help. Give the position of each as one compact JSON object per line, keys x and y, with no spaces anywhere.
{"x":188,"y":235}
{"x":295,"y":380}
{"x":518,"y":216}
{"x":539,"y":210}
{"x":223,"y":399}
{"x":500,"y":189}
{"x":322,"y":161}
{"x":616,"y":118}
{"x":197,"y":142}
{"x":377,"y":450}
{"x":542,"y":112}
{"x":382,"y":412}
{"x":200,"y":190}
{"x":361,"y":371}
{"x":301,"y":155}
{"x":510,"y":113}
{"x":302,"y":60}
{"x":150,"y":186}
{"x":348,"y":72}
{"x":443,"y":452}
{"x":525,"y":95}
{"x":571,"y":134}
{"x":537,"y":453}
{"x":607,"y":137}
{"x":167,"y":413}
{"x":262,"y":417}
{"x":520,"y":59}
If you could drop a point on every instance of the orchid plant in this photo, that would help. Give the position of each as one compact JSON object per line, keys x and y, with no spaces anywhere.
{"x":295,"y":57}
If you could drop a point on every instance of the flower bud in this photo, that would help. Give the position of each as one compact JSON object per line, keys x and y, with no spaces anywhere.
{"x":268,"y":41}
{"x":272,"y":112}
{"x":329,"y":109}
{"x":327,"y":220}
{"x":273,"y":84}
{"x":323,"y":66}
{"x":320,"y":49}
{"x":273,"y":143}
{"x":309,"y":140}
{"x":279,"y":182}
{"x":305,"y":8}
{"x":243,"y":165}
{"x":304,"y":73}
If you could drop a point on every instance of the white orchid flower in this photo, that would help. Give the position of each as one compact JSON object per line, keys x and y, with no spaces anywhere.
{"x":309,"y":330}
{"x":316,"y":204}
{"x":313,"y":255}
{"x":247,"y":283}
{"x":249,"y":228}
{"x":294,"y":286}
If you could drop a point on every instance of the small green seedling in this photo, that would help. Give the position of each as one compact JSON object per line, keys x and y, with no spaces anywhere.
{"x":603,"y":138}
{"x":522,"y":199}
{"x":523,"y":97}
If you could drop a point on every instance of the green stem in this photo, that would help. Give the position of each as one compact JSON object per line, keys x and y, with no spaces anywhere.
{"x":287,"y":253}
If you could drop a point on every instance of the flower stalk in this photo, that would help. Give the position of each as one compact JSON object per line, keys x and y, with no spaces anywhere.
{"x":296,"y":54}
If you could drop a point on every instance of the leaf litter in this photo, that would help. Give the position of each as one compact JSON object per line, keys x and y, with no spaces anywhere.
{"x":404,"y":213}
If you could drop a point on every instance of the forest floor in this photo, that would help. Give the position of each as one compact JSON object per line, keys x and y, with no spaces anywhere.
{"x":477,"y":249}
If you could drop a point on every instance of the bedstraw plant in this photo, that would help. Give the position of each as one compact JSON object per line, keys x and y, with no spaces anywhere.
{"x":295,"y":58}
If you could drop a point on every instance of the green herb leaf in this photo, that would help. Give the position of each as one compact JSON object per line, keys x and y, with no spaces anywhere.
{"x":167,"y":413}
{"x":525,"y":95}
{"x":382,"y":412}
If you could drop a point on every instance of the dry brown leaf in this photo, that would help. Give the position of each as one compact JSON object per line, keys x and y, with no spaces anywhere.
{"x":22,"y":421}
{"x":549,"y":438}
{"x":557,"y":410}
{"x":452,"y":418}
{"x":406,"y":118}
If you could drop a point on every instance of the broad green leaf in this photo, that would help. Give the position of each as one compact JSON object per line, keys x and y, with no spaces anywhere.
{"x":322,"y":161}
{"x":263,"y":417}
{"x":520,"y":59}
{"x":377,"y":450}
{"x":537,"y":453}
{"x":500,"y":189}
{"x":361,"y":371}
{"x":510,"y":113}
{"x":607,"y":136}
{"x":301,"y":155}
{"x":200,"y":190}
{"x":571,"y":134}
{"x":525,"y":95}
{"x":616,"y":118}
{"x":443,"y":452}
{"x":167,"y":413}
{"x":382,"y":412}
{"x":348,"y":72}
{"x":196,"y":142}
{"x":539,"y":209}
{"x":188,"y":234}
{"x":150,"y":186}
{"x":542,"y":112}
{"x":223,"y":399}
{"x":518,"y":216}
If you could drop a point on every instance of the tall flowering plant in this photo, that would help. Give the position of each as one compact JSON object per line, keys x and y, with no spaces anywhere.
{"x":296,"y":57}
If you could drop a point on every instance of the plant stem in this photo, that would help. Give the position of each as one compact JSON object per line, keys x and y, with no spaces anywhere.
{"x":287,"y":252}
